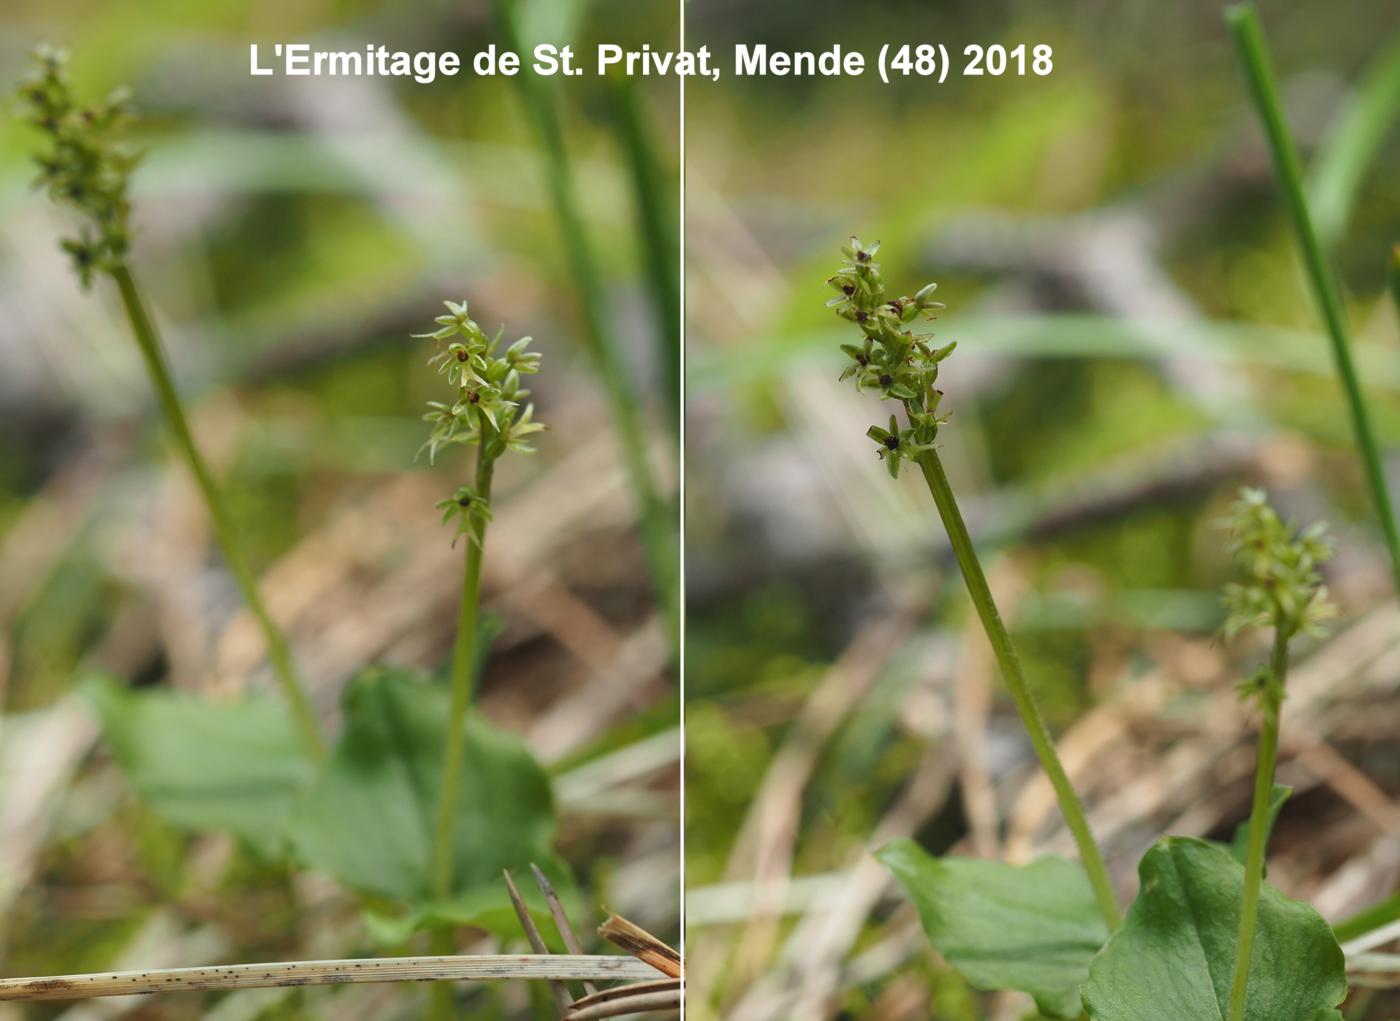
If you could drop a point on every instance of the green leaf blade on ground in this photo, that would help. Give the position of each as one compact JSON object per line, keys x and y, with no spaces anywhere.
{"x":1033,"y":928}
{"x":200,"y":765}
{"x":368,"y":820}
{"x":1173,"y":958}
{"x":481,"y":907}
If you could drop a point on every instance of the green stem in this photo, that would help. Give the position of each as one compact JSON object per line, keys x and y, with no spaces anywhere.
{"x":1010,"y":663}
{"x":1248,"y":37}
{"x":278,"y":652}
{"x":659,"y":540}
{"x":1271,"y":700}
{"x":464,"y":651}
{"x":463,"y":667}
{"x":1364,"y":921}
{"x":660,"y":246}
{"x":1393,"y":273}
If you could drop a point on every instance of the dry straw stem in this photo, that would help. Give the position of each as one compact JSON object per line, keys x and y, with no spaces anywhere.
{"x":561,"y":920}
{"x":642,"y":945}
{"x":551,"y":967}
{"x":627,"y":1000}
{"x":561,"y":994}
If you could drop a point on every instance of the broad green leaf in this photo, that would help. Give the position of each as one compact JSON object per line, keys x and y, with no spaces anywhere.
{"x":483,"y":907}
{"x":1175,"y":954}
{"x":369,"y":819}
{"x":1239,"y":845}
{"x":201,"y":765}
{"x":1033,"y":928}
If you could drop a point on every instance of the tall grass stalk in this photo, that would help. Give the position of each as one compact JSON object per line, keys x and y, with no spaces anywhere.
{"x":1252,"y":49}
{"x":658,"y":535}
{"x":660,"y":243}
{"x":1368,"y":919}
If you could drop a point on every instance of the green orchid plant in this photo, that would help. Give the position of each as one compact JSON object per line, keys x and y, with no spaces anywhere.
{"x":487,"y":414}
{"x":85,"y":168}
{"x":1052,"y":928}
{"x":1284,"y":592}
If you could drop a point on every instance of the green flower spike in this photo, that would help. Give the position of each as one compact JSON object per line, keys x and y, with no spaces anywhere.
{"x":83,"y":167}
{"x":897,"y":363}
{"x":486,"y":412}
{"x":1284,"y":589}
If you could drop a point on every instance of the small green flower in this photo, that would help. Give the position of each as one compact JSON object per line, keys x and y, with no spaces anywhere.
{"x":895,"y":444}
{"x":468,"y":508}
{"x":522,"y":426}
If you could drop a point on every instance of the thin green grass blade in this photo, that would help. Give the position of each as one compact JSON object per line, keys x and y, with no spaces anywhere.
{"x":1368,"y":919}
{"x":1248,"y":37}
{"x":1351,"y":144}
{"x":659,"y":235}
{"x":655,"y":519}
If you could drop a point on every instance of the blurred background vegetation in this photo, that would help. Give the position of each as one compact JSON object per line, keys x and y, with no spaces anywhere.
{"x":291,"y":234}
{"x":1136,"y":341}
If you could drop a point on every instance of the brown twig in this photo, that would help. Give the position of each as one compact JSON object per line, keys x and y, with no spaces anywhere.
{"x":642,"y":945}
{"x":561,"y":920}
{"x":561,"y":994}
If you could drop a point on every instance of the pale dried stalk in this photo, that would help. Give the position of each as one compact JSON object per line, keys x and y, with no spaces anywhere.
{"x":553,"y":967}
{"x":642,"y":945}
{"x":562,"y":999}
{"x":1374,"y":971}
{"x":561,"y":920}
{"x":626,"y":1000}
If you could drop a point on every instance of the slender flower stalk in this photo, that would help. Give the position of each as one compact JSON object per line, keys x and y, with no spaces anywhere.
{"x":903,"y":367}
{"x":85,"y":169}
{"x":1284,"y":592}
{"x":1253,"y":51}
{"x":655,"y":519}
